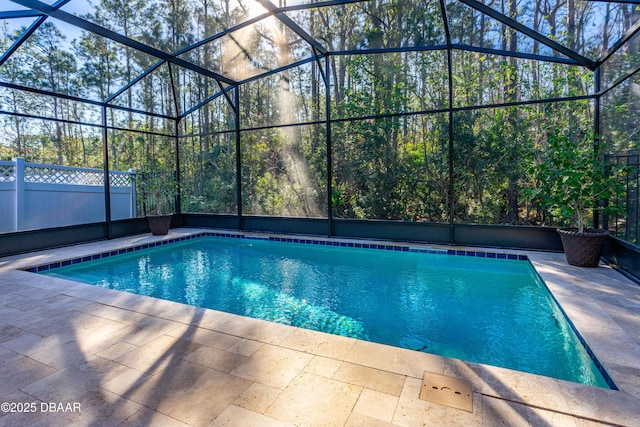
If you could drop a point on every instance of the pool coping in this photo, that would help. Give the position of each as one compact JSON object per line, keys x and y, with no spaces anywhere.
{"x":585,"y":295}
{"x":338,"y":243}
{"x":358,"y":244}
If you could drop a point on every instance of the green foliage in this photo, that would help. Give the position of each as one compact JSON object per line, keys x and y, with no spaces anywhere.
{"x":391,"y":162}
{"x":157,"y":192}
{"x":572,"y":179}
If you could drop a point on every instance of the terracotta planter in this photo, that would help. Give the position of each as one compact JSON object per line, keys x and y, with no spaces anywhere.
{"x":583,"y":249}
{"x":159,"y":224}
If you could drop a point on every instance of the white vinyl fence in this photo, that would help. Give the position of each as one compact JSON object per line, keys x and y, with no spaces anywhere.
{"x":35,"y":196}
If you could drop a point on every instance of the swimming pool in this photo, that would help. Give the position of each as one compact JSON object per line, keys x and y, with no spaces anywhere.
{"x":491,"y":311}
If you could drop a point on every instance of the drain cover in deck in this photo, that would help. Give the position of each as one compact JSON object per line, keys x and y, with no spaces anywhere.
{"x":448,"y":391}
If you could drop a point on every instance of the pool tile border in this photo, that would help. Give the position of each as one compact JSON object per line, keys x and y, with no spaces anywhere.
{"x":336,"y":243}
{"x":599,"y":366}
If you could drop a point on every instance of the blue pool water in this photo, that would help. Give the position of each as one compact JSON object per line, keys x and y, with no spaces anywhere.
{"x":495,"y":312}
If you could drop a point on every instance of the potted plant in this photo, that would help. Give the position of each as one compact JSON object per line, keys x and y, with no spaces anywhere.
{"x":571,"y":181}
{"x":158,"y":192}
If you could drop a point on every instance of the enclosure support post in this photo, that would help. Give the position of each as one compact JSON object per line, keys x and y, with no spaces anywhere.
{"x":452,"y":237}
{"x":327,"y":84}
{"x":177,"y":208}
{"x":445,"y":20}
{"x":236,"y":108}
{"x":105,"y":162}
{"x":596,"y":144}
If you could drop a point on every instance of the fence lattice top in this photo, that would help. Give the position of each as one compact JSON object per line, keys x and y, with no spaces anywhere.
{"x":59,"y":175}
{"x":7,"y":172}
{"x":64,"y":175}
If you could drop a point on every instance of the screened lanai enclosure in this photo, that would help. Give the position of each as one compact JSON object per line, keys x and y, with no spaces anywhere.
{"x":420,"y":120}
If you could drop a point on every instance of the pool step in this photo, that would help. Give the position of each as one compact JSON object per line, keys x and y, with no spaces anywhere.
{"x":449,"y":391}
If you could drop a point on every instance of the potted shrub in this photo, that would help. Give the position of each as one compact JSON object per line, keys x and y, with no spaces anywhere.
{"x":158,"y":192}
{"x":572,"y":179}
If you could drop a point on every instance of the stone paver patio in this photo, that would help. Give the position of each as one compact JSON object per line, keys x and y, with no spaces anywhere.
{"x":132,"y":360}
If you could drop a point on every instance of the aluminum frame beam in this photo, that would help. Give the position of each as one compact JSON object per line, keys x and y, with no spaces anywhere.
{"x":206,"y":101}
{"x":480,"y":7}
{"x":556,"y":59}
{"x":45,"y":118}
{"x":293,"y":26}
{"x":82,"y":100}
{"x":260,"y":18}
{"x":617,"y":82}
{"x":135,"y":80}
{"x":442,"y":110}
{"x":43,"y":10}
{"x":32,"y":28}
{"x":189,"y":48}
{"x":14,"y":14}
{"x":49,"y":93}
{"x":306,"y":6}
{"x":632,"y":31}
{"x":119,"y":38}
{"x":434,"y":47}
{"x":283,"y":68}
{"x":20,"y":40}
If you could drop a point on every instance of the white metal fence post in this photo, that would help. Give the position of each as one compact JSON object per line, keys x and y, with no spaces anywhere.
{"x":19,"y":200}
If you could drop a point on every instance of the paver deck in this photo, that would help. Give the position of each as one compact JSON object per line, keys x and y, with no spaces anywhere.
{"x":131,"y":360}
